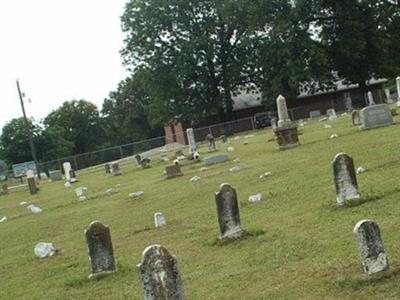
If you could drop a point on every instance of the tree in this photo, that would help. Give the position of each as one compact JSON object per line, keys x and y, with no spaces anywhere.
{"x":80,"y":123}
{"x":198,"y":53}
{"x":126,"y":112}
{"x":51,"y":144}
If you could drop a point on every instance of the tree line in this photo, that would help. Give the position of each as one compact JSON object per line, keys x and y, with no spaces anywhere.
{"x":187,"y":58}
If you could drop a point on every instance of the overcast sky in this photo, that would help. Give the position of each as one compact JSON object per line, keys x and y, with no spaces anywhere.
{"x":59,"y":50}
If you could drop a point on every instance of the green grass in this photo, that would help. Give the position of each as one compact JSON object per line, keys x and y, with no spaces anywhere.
{"x":299,"y":244}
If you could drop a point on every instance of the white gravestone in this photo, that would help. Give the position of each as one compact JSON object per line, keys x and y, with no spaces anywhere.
{"x":370,"y":99}
{"x":81,"y":193}
{"x":398,"y":90}
{"x":370,"y":246}
{"x":191,"y":140}
{"x":388,"y":97}
{"x":283,"y":114}
{"x":348,"y":102}
{"x":67,"y":168}
{"x":331,"y":114}
{"x":159,"y":220}
{"x":345,"y":178}
{"x":376,"y":116}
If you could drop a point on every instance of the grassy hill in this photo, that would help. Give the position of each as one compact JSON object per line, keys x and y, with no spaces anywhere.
{"x":300,"y":245}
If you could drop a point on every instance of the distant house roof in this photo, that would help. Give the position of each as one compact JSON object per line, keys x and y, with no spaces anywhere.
{"x":248,"y":100}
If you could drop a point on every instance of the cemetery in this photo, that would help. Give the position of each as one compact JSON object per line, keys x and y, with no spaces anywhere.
{"x":276,"y":213}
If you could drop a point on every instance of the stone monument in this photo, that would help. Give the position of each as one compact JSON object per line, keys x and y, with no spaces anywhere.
{"x":376,"y":116}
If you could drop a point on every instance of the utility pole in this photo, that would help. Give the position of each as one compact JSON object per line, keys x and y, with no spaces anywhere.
{"x":32,"y":146}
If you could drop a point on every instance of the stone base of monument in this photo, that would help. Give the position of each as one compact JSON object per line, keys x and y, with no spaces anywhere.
{"x":101,"y":274}
{"x":287,"y":137}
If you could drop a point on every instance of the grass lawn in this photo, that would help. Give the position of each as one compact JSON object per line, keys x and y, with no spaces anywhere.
{"x":300,"y":245}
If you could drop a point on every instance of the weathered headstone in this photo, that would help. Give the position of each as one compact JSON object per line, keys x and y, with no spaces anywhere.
{"x":370,"y":99}
{"x":159,"y":275}
{"x":191,"y":140}
{"x":315,"y":114}
{"x":72,"y":176}
{"x":228,"y":212}
{"x":101,"y":253}
{"x":30,"y":176}
{"x":283,"y":114}
{"x":388,"y":97}
{"x":55,"y":175}
{"x":331,"y":114}
{"x":107,"y":168}
{"x":173,"y":171}
{"x":115,"y":169}
{"x":348,"y":102}
{"x":376,"y":116}
{"x":217,"y":159}
{"x":67,"y":167}
{"x":159,"y":220}
{"x":211,"y":140}
{"x":81,"y":193}
{"x":370,"y":245}
{"x":345,"y":178}
{"x":355,"y":118}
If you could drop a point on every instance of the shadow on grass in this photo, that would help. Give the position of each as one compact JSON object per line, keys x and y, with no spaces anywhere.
{"x":247,"y":234}
{"x":362,"y":281}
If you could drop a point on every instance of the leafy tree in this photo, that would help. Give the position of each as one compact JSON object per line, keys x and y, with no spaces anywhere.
{"x":80,"y":123}
{"x":197,"y":52}
{"x":52,"y":144}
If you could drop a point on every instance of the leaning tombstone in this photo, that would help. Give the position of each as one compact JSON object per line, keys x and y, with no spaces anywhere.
{"x":370,"y":246}
{"x":173,"y":171}
{"x":107,"y":168}
{"x":115,"y":169}
{"x":55,"y":175}
{"x":228,"y":212}
{"x":376,"y":116}
{"x":159,"y":275}
{"x":355,"y":118}
{"x":101,"y":254}
{"x":33,"y":188}
{"x":345,"y":178}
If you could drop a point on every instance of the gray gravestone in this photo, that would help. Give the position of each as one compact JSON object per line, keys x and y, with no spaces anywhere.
{"x":101,"y":254}
{"x":283,"y":115}
{"x":211,"y":140}
{"x":355,"y":118}
{"x":331,"y":114}
{"x":370,"y":245}
{"x":376,"y":116}
{"x":115,"y":169}
{"x":32,"y":184}
{"x":173,"y":171}
{"x":228,"y":212}
{"x":345,"y":178}
{"x":217,"y":159}
{"x":315,"y":114}
{"x":159,"y":275}
{"x":107,"y":168}
{"x":191,"y":140}
{"x":55,"y":175}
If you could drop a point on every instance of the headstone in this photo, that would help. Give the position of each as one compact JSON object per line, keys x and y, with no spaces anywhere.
{"x":398,"y":90}
{"x":370,"y":99}
{"x":107,"y":168}
{"x":348,"y":103}
{"x":101,"y":254}
{"x":331,"y":114}
{"x":159,"y":275}
{"x":115,"y":169}
{"x":370,"y":246}
{"x":138,"y":158}
{"x":72,"y":176}
{"x":191,"y":140}
{"x":355,"y":118}
{"x":315,"y":114}
{"x":211,"y":140}
{"x":33,"y":188}
{"x":217,"y":159}
{"x":283,"y":114}
{"x":287,"y":137}
{"x":224,"y":139}
{"x":81,"y":193}
{"x":345,"y":178}
{"x":173,"y":171}
{"x":67,"y":167}
{"x":228,"y":212}
{"x":43,"y":176}
{"x":376,"y":116}
{"x":55,"y":175}
{"x":388,"y":97}
{"x":273,"y":123}
{"x":159,"y":220}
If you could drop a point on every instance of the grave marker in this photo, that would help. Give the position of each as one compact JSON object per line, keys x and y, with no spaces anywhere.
{"x":345,"y":178}
{"x":376,"y":116}
{"x":173,"y":171}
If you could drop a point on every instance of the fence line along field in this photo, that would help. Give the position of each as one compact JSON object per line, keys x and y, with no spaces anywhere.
{"x":294,"y":243}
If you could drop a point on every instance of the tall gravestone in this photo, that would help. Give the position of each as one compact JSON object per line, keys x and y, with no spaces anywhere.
{"x":228,"y":212}
{"x":286,"y":131}
{"x":376,"y":116}
{"x":101,"y":253}
{"x":398,"y":90}
{"x":370,"y":99}
{"x":32,"y":184}
{"x":370,"y":246}
{"x":67,"y":168}
{"x":283,"y":114}
{"x":191,"y":140}
{"x":159,"y":275}
{"x":345,"y":178}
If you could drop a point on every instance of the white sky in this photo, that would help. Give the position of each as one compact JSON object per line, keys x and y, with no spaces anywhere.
{"x":59,"y":50}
